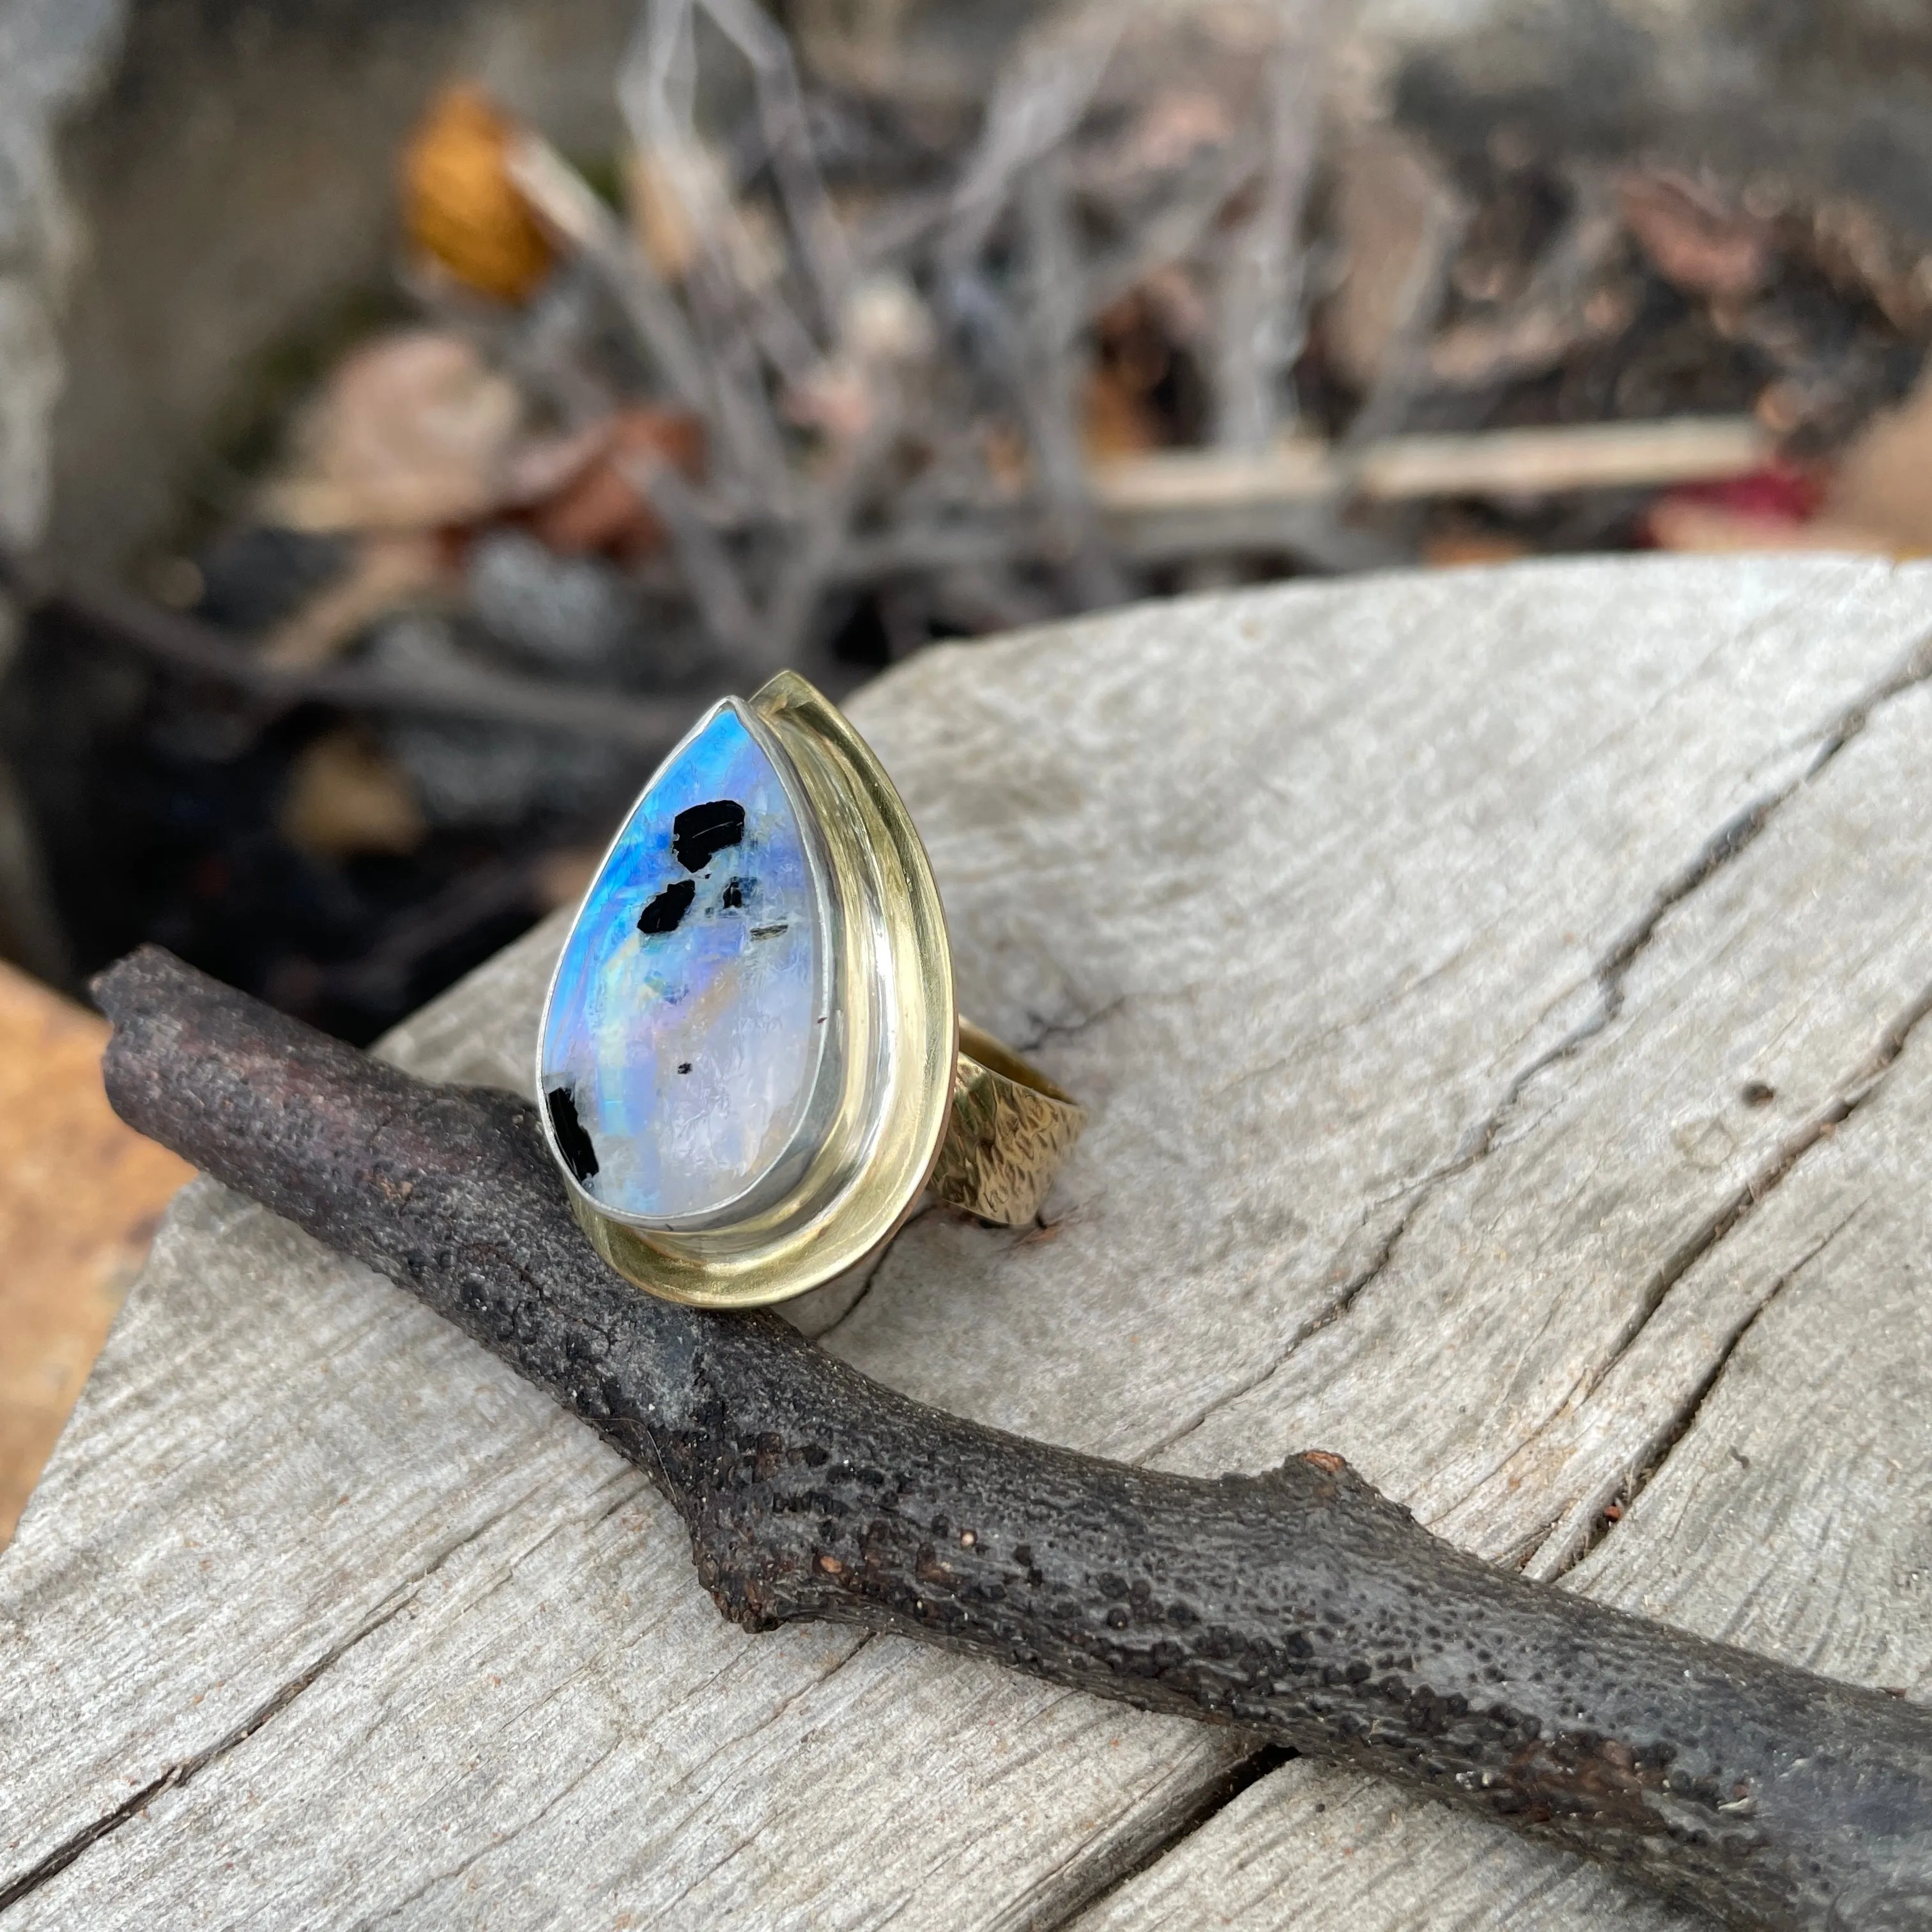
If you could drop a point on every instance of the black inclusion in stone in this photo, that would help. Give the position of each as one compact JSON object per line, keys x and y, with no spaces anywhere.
{"x":572,"y":1141}
{"x":733,"y":896}
{"x":669,"y":906}
{"x":700,"y":831}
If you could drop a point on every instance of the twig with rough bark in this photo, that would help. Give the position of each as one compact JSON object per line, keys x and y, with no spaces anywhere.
{"x":1297,"y":1603}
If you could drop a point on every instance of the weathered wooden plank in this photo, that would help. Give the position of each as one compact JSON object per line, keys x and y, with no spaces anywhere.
{"x":1309,"y":1846}
{"x":1297,"y":918}
{"x":1291,"y":886}
{"x":1760,"y":1008}
{"x":1791,"y":1516}
{"x":1804,"y":1470}
{"x":1748,"y":1319}
{"x":546,"y":1620}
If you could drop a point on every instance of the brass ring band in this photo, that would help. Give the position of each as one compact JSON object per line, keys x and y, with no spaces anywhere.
{"x":1009,"y":1129}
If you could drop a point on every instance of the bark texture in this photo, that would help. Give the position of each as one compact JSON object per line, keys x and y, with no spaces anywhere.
{"x":1300,"y":1604}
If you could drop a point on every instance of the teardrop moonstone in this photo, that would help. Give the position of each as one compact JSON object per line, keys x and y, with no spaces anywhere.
{"x":686,"y":1027}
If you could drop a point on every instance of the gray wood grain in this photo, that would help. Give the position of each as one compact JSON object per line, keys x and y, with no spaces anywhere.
{"x":1650,"y":1213}
{"x":1322,"y":897}
{"x":1790,"y":1511}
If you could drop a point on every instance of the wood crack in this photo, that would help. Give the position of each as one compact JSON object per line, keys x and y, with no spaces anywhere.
{"x":1723,"y":849}
{"x":1596,"y":1528}
{"x":774,"y":1716}
{"x":1732,"y":1214}
{"x":1045,"y":1029}
{"x":1204,"y":1804}
{"x":1326,"y":1316}
{"x":180,"y":1774}
{"x":1610,"y":975}
{"x":879,"y":1261}
{"x":1582,"y":1528}
{"x":497,"y":1840}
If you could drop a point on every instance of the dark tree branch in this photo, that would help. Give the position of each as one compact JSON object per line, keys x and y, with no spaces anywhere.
{"x":1299,"y":1604}
{"x":190,"y":648}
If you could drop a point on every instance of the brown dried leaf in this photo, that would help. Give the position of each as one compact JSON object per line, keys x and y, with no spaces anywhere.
{"x":79,"y":1196}
{"x":460,"y":206}
{"x":1698,"y":241}
{"x":1884,"y":483}
{"x":1116,"y":420}
{"x":1675,"y":523}
{"x":602,"y":508}
{"x":412,"y":431}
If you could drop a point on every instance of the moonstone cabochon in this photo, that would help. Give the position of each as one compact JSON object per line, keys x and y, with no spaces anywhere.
{"x":687,"y":1023}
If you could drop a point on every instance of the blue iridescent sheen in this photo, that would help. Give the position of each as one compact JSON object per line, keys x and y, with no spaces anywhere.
{"x":686,"y":1025}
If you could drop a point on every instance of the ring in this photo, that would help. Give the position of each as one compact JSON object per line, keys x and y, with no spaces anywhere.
{"x":750,"y":1064}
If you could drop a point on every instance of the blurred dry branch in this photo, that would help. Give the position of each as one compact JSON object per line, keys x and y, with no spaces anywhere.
{"x":920,"y":364}
{"x":198,"y":650}
{"x":899,"y":322}
{"x":895,"y":355}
